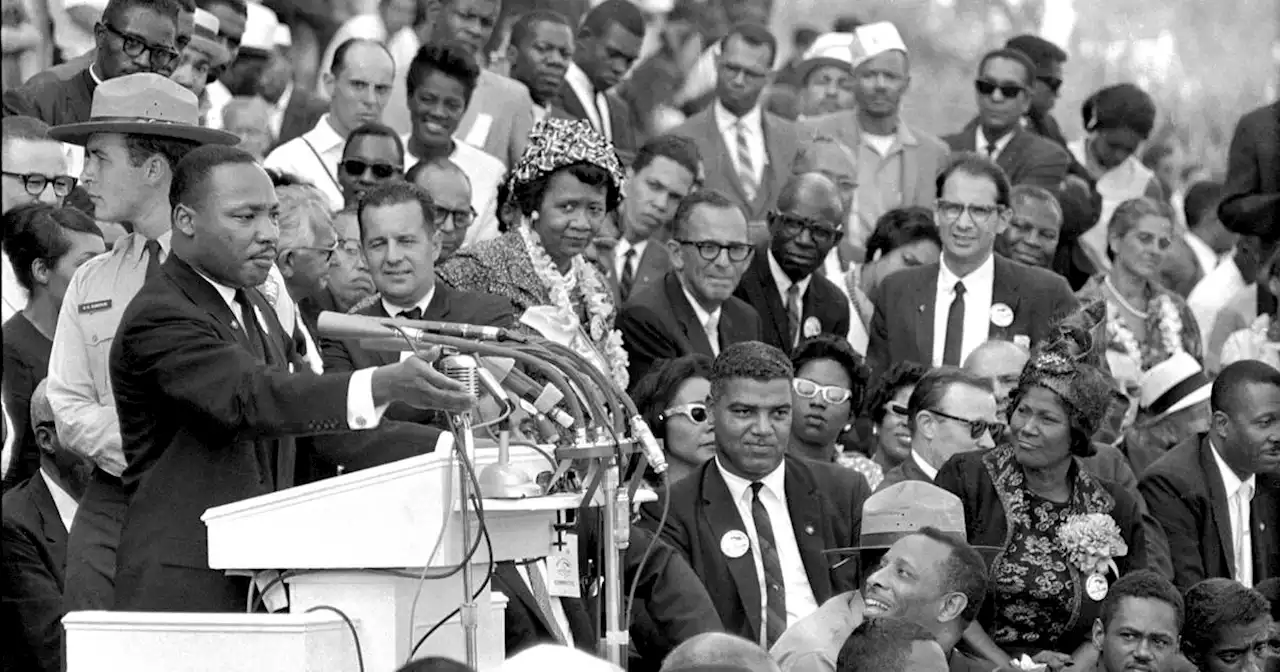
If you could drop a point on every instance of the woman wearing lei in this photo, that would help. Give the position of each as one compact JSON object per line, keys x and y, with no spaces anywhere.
{"x":1145,"y":321}
{"x":565,"y":185}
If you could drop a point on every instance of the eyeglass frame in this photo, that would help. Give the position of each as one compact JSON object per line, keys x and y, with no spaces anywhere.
{"x":328,"y":252}
{"x":820,"y":390}
{"x":686,"y":410}
{"x":145,"y":46}
{"x":794,"y":225}
{"x":442,"y":214}
{"x":27,"y":178}
{"x":976,"y":427}
{"x":371,"y":166}
{"x":981,"y":83}
{"x":726,"y":248}
{"x":997,"y":211}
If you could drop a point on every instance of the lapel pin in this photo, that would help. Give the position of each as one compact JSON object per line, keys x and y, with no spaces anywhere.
{"x":735,"y":544}
{"x":808,"y":529}
{"x":920,"y":309}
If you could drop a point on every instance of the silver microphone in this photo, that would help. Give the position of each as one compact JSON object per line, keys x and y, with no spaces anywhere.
{"x":462,"y":368}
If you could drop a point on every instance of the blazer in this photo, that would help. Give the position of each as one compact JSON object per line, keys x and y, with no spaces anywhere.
{"x":652,"y":266}
{"x":782,"y":140}
{"x":907,"y":470}
{"x":525,"y":624}
{"x":56,"y":96}
{"x":1251,"y":196}
{"x":1027,"y":159}
{"x":825,"y":503}
{"x":34,"y":556}
{"x":620,"y":122}
{"x":1185,"y":494}
{"x":822,"y":301}
{"x":499,"y":118}
{"x":658,"y":323}
{"x":902,"y":326}
{"x":26,"y":363}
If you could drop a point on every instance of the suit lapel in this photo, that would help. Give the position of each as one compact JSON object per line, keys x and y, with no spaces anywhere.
{"x":910,"y":166}
{"x":655,"y":261}
{"x":774,"y":150}
{"x":1004,"y":290}
{"x":1218,"y":503}
{"x":726,"y":157}
{"x":55,"y":534}
{"x":722,"y":517}
{"x":1263,"y":520}
{"x":375,"y":309}
{"x":201,"y":293}
{"x":761,"y":290}
{"x":805,"y":507}
{"x":686,"y":317}
{"x":1010,"y":157}
{"x":515,"y":582}
{"x":922,"y":305}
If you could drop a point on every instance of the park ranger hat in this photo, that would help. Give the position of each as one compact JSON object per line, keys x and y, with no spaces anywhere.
{"x":143,"y":104}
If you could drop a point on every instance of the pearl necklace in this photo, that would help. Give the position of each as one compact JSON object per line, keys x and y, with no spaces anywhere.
{"x":1118,"y":297}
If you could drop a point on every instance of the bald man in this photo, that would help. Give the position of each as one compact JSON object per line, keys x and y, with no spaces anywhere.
{"x":719,"y":650}
{"x":794,"y":303}
{"x":450,"y":190}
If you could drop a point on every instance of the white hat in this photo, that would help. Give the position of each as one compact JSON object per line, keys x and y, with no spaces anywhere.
{"x":204,"y":37}
{"x":284,"y":36}
{"x":259,"y":28}
{"x":874,"y":39}
{"x":828,"y":49}
{"x":1174,"y":384}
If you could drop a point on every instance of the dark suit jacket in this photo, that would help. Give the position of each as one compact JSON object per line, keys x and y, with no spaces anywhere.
{"x":527,"y":626}
{"x":658,"y":323}
{"x":782,"y":141}
{"x":653,"y":265}
{"x":1027,"y":159}
{"x":1185,"y":494}
{"x":825,"y":503}
{"x":34,"y":552}
{"x":53,"y":96}
{"x":301,"y":115}
{"x":822,"y":300}
{"x":902,"y":327}
{"x":1251,"y":196}
{"x":26,"y":363}
{"x":907,"y":471}
{"x":620,"y":123}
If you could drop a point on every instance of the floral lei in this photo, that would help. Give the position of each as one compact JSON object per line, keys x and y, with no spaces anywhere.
{"x":598,"y":297}
{"x":1166,"y":320}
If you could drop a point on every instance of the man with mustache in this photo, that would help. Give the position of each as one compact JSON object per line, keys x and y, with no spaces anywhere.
{"x":1217,"y":495}
{"x":1032,"y":235}
{"x":1139,"y":626}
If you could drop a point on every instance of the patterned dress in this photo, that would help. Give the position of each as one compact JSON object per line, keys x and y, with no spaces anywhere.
{"x":1152,"y":347}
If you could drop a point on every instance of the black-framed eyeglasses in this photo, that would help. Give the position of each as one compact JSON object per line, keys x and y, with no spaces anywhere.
{"x":979,"y":213}
{"x":381,"y":171}
{"x":792,"y":226}
{"x":461,"y":218}
{"x":1052,"y":83}
{"x":987,"y":87}
{"x":976,"y":427}
{"x":696,"y":411}
{"x":710,"y":250}
{"x":36,"y":183}
{"x":832,"y":394}
{"x":134,"y":46}
{"x":326,"y":252}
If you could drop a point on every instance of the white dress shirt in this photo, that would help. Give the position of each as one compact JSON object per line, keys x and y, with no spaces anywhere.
{"x":557,"y":606}
{"x":710,"y":321}
{"x":1205,"y":256}
{"x":218,"y":96}
{"x":62,"y":500}
{"x":620,"y":255}
{"x":314,"y":156}
{"x":421,"y":305}
{"x":800,"y":599}
{"x":1239,"y":498}
{"x":594,"y":103}
{"x":924,"y":465}
{"x":485,"y":172}
{"x":784,"y":283}
{"x":753,"y":125}
{"x":978,"y":288}
{"x":980,"y":143}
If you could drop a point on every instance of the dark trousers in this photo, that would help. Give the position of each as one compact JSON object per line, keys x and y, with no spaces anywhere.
{"x":91,"y":545}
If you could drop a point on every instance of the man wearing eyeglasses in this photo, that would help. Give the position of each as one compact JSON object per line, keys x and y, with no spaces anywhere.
{"x":372,"y":155}
{"x":450,"y":189}
{"x":794,"y":302}
{"x":693,"y":309}
{"x":1003,"y":90}
{"x":939,"y":313}
{"x":133,"y":36}
{"x":950,"y":411}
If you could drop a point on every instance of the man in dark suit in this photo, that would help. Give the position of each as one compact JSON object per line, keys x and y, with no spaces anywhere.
{"x":204,"y":392}
{"x":748,"y":152}
{"x":1251,"y":196}
{"x":1003,"y":89}
{"x":753,"y":522}
{"x":938,"y":314}
{"x":33,"y":552}
{"x":692,"y":309}
{"x":539,"y":52}
{"x":608,"y":43}
{"x":939,"y":402}
{"x":781,"y":284}
{"x":1217,"y":495}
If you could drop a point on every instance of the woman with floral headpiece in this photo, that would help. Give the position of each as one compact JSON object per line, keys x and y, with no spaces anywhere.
{"x":566,"y":183}
{"x":1061,"y":535}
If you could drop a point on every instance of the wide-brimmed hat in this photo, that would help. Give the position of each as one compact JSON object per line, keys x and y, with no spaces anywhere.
{"x":204,"y":38}
{"x":259,"y":29}
{"x":1174,"y":384}
{"x":828,"y":49}
{"x":902,"y":509}
{"x":143,"y":104}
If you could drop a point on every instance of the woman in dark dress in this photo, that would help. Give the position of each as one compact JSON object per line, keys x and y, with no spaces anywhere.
{"x":1046,"y":590}
{"x":45,"y":244}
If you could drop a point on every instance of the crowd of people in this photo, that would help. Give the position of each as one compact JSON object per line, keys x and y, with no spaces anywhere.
{"x":976,"y":398}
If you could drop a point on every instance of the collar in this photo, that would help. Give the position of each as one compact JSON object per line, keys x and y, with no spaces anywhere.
{"x":698,"y":310}
{"x":93,"y":73}
{"x":134,"y":243}
{"x":774,"y":482}
{"x":924,"y":465}
{"x":460,"y":150}
{"x":393,"y":310}
{"x":578,"y":80}
{"x":228,"y":294}
{"x":1208,"y":259}
{"x":1230,"y":482}
{"x":623,"y":245}
{"x":62,"y":500}
{"x":982,"y":276}
{"x":726,"y":121}
{"x":980,"y":140}
{"x":324,"y":137}
{"x":903,"y":134}
{"x":784,"y":281}
{"x":282,"y":103}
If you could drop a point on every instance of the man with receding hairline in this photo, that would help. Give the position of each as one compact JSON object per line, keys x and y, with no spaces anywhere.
{"x":450,"y":190}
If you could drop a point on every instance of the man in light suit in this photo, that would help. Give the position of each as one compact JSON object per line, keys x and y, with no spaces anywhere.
{"x":1003,"y":90}
{"x":938,"y":314}
{"x":748,"y":151}
{"x":608,"y":44}
{"x":896,"y":163}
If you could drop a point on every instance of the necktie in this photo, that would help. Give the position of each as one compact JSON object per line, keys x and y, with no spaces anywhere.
{"x":628,"y":277}
{"x":1243,"y":536}
{"x":414,"y":313}
{"x":252,"y":330}
{"x":152,"y":248}
{"x":955,"y":329}
{"x":991,"y":150}
{"x":746,"y":170}
{"x":602,"y":113}
{"x":712,"y":328}
{"x":538,"y":584}
{"x":794,"y":313}
{"x":775,"y":596}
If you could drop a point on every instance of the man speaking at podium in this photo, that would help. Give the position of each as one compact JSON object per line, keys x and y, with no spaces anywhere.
{"x":205,"y":390}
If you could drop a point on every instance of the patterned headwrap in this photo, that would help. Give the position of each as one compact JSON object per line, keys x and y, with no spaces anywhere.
{"x":555,"y":143}
{"x":1086,"y":391}
{"x":1082,"y":334}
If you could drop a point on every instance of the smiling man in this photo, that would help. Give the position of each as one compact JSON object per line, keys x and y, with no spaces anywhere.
{"x":1139,"y":625}
{"x":946,"y":409}
{"x":1033,"y":232}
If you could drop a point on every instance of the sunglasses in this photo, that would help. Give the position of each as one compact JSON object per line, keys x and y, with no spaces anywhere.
{"x":381,"y":171}
{"x":710,"y":250}
{"x":36,"y":183}
{"x":980,"y":214}
{"x":696,"y":412}
{"x":987,"y":87}
{"x":792,"y":226}
{"x":1052,"y":83}
{"x":134,"y":46}
{"x":832,"y":394}
{"x":976,"y":427}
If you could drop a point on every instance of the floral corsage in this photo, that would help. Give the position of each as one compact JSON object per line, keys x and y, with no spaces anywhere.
{"x":1092,"y":542}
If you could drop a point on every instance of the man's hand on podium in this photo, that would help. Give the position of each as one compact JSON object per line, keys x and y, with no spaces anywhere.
{"x":417,"y":383}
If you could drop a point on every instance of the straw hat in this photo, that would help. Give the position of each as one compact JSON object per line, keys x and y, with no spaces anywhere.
{"x":144,"y":104}
{"x":1174,"y":384}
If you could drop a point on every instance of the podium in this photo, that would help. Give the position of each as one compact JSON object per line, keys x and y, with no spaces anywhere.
{"x":358,"y":542}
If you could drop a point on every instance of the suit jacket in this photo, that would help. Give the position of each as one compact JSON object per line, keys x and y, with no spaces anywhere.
{"x":54,"y":96}
{"x":620,"y":123}
{"x":34,"y":552}
{"x":825,"y":503}
{"x":499,"y":118}
{"x":908,"y":470}
{"x":658,"y":323}
{"x":1027,"y":159}
{"x":782,"y":141}
{"x":822,"y":301}
{"x":902,"y":327}
{"x":300,"y":115}
{"x":527,"y":626}
{"x":1185,"y":494}
{"x":1251,"y":196}
{"x":652,"y":266}
{"x":26,"y":363}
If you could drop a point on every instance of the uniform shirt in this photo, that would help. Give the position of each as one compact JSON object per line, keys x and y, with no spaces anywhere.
{"x":314,"y":157}
{"x":978,"y":289}
{"x":485,"y":173}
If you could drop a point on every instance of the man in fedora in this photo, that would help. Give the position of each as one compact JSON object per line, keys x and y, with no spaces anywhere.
{"x":915,"y":526}
{"x":203,"y":54}
{"x":139,"y":128}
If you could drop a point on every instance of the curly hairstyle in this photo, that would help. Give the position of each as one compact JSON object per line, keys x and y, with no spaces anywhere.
{"x":750,"y":359}
{"x":1214,"y":605}
{"x":838,"y":350}
{"x":1144,"y":584}
{"x":653,"y":393}
{"x":901,"y":374}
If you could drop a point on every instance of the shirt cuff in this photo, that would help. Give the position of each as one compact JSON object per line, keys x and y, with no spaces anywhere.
{"x":361,"y":413}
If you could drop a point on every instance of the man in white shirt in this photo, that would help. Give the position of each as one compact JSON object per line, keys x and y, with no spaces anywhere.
{"x":359,"y":86}
{"x":946,"y":409}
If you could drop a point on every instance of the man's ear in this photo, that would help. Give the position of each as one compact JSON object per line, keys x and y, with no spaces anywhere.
{"x":40,"y":271}
{"x":952,"y":606}
{"x":183,"y":221}
{"x":1099,"y":633}
{"x":284,"y":262}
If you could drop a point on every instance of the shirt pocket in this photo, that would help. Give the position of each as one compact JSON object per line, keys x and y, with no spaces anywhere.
{"x":99,"y":333}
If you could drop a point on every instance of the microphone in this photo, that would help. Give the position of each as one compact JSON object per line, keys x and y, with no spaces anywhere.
{"x":461,"y":368}
{"x":545,"y":399}
{"x":340,"y":325}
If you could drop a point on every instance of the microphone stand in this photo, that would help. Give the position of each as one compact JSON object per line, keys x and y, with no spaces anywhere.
{"x":463,"y":369}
